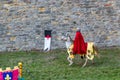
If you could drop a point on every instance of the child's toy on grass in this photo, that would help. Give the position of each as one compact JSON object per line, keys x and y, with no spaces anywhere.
{"x":12,"y":74}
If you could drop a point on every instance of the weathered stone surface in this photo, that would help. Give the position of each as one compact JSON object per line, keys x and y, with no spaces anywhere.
{"x":22,"y":22}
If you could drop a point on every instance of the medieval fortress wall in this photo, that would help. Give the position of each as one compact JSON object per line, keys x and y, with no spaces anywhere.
{"x":22,"y":22}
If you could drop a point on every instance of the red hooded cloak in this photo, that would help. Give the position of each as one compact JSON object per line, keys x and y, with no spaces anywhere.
{"x":80,"y":46}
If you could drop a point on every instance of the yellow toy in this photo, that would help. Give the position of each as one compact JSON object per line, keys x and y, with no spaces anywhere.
{"x":20,"y":69}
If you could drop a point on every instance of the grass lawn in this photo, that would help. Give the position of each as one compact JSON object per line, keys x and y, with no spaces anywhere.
{"x":54,"y":66}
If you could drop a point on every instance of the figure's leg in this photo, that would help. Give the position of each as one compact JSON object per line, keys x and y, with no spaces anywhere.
{"x":96,"y":51}
{"x":92,"y":61}
{"x":85,"y":62}
{"x":70,"y":60}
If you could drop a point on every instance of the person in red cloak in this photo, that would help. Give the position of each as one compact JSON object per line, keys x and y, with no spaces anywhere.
{"x":80,"y":46}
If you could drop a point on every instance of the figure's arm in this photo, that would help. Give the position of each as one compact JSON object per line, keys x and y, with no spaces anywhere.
{"x":70,"y":38}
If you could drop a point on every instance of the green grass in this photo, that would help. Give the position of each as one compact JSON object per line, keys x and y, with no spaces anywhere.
{"x":54,"y":66}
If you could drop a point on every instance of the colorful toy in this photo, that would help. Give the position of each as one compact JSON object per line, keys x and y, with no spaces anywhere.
{"x":90,"y":52}
{"x":47,"y":41}
{"x":12,"y":74}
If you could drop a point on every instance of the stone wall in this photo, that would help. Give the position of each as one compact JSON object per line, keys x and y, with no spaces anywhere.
{"x":22,"y":22}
